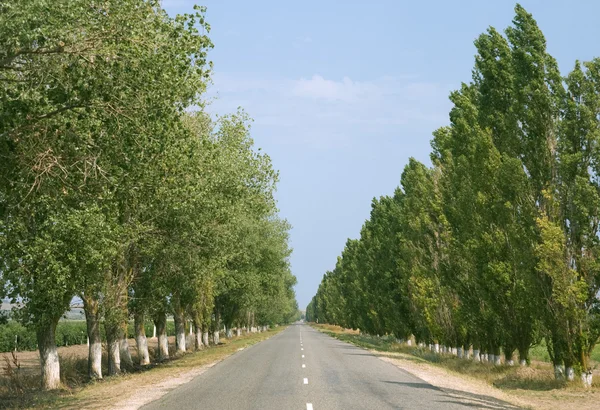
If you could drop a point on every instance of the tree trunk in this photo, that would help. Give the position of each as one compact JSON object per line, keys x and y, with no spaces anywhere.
{"x":238,"y":332}
{"x":205,"y":338}
{"x":113,"y":337}
{"x":140,"y":339}
{"x":216,"y":337}
{"x":92,"y":321}
{"x":198,"y":334}
{"x":49,"y":362}
{"x":179,"y":316}
{"x":124,"y":346}
{"x":586,"y":378}
{"x":161,"y":330}
{"x":523,"y":356}
{"x":228,"y":332}
{"x":476,"y":356}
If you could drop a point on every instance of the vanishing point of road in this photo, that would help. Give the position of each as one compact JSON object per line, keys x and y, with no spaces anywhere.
{"x":301,"y":368}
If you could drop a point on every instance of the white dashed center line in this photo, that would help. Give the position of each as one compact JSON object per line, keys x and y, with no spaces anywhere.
{"x":303,"y":366}
{"x":301,"y":348}
{"x":309,"y":406}
{"x":305,"y":380}
{"x":303,"y":356}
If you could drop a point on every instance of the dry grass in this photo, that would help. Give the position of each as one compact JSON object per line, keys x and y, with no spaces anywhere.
{"x":78,"y":393}
{"x":533,"y":386}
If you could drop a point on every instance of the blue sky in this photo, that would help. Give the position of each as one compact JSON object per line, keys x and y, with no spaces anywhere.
{"x":343,"y":92}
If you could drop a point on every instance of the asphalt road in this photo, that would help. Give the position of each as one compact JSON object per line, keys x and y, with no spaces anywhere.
{"x":301,"y":368}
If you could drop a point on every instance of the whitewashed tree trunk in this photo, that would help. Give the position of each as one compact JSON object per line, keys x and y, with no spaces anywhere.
{"x":559,"y":372}
{"x":49,"y":362}
{"x":459,"y":352}
{"x":436,"y":347}
{"x":140,"y":339}
{"x":409,"y":342}
{"x":154,"y":332}
{"x":179,"y":317}
{"x":161,"y":330}
{"x":238,"y":332}
{"x":124,"y":352}
{"x":466,"y":352}
{"x":490,"y":358}
{"x":484,"y":357}
{"x":114,"y":357}
{"x":198,"y":335}
{"x":570,"y":373}
{"x":92,"y":321}
{"x":476,"y":356}
{"x":455,"y":351}
{"x":586,"y":378}
{"x":228,"y":332}
{"x":216,"y":337}
{"x":510,"y":362}
{"x":497,"y":360}
{"x":205,"y":338}
{"x":523,"y":362}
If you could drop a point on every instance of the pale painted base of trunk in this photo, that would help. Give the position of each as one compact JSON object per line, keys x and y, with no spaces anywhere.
{"x":114,"y":358}
{"x":228,"y":333}
{"x":409,"y":342}
{"x":436,"y":348}
{"x":510,"y":362}
{"x":205,"y":339}
{"x":142,"y":346}
{"x":163,"y":347}
{"x":570,"y":373}
{"x":180,"y":341}
{"x":523,"y":363}
{"x":124,"y":353}
{"x":455,"y":351}
{"x":50,"y":368}
{"x":484,"y":357}
{"x":497,"y":360}
{"x":459,"y":352}
{"x":586,"y":378}
{"x":216,"y":337}
{"x":198,"y":340}
{"x":559,"y":372}
{"x":238,"y":332}
{"x":476,"y":356}
{"x":95,"y":360}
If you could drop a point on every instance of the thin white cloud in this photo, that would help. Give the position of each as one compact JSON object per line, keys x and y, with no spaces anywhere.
{"x":325,"y":112}
{"x":346,"y":90}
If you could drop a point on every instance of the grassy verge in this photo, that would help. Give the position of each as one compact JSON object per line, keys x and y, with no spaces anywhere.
{"x":105,"y":393}
{"x":535,"y":384}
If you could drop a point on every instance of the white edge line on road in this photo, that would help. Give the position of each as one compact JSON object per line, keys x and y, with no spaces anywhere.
{"x":309,"y":406}
{"x":305,"y":380}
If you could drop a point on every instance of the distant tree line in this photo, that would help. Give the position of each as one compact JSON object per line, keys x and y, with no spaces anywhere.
{"x":496,"y":246}
{"x":117,"y":188}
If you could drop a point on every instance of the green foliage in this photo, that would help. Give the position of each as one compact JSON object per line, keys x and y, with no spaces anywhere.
{"x":496,"y":245}
{"x":114,"y":191}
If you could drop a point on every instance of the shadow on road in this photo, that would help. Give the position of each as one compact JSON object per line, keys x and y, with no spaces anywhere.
{"x":478,"y":401}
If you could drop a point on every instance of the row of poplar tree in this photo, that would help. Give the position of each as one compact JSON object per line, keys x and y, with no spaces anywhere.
{"x":116,"y":187}
{"x":496,"y":245}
